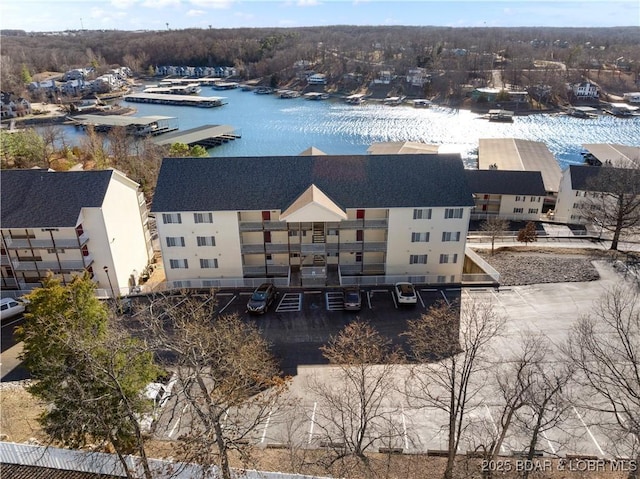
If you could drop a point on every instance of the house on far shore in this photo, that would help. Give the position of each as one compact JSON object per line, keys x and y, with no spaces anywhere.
{"x":70,"y":222}
{"x":12,"y":106}
{"x":509,"y":195}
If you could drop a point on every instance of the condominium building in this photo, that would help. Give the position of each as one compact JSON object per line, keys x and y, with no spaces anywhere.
{"x":66,"y":223}
{"x":319,"y":220}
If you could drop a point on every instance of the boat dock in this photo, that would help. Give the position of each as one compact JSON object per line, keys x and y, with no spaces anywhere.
{"x":207,"y":136}
{"x":138,"y":126}
{"x":316,"y":96}
{"x":500,"y":115}
{"x":176,"y":100}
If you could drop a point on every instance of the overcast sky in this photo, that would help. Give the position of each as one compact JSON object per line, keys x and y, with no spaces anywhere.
{"x":57,"y":15}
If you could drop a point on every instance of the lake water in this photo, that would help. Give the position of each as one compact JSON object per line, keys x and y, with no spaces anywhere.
{"x":270,"y":125}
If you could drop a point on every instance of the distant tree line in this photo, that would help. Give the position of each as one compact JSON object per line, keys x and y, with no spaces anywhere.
{"x":336,"y":50}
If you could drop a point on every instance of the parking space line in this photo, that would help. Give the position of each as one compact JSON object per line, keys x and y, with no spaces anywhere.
{"x":588,"y":431}
{"x":334,"y":301}
{"x":404,"y":428}
{"x":420,"y":298}
{"x":445,"y":298}
{"x":313,"y":421}
{"x":290,"y":302}
{"x":266,"y":425}
{"x":369,"y":299}
{"x":228,"y":304}
{"x":395,"y":302}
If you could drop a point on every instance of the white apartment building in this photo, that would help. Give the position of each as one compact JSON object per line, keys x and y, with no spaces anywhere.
{"x":312,"y":219}
{"x":510,"y":195}
{"x":65,"y":223}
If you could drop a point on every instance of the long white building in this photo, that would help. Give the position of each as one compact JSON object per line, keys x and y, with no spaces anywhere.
{"x":306,"y":220}
{"x":66,"y":223}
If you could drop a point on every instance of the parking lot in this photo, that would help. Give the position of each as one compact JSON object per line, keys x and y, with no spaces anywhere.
{"x":300,"y":321}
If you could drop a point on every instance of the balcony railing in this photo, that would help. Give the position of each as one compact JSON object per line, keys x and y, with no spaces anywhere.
{"x":66,"y":265}
{"x":263,"y":226}
{"x":271,"y":269}
{"x":364,"y":224}
{"x":367,"y":268}
{"x":256,"y":248}
{"x":364,"y":246}
{"x":313,"y":248}
{"x":277,"y":247}
{"x":65,"y":243}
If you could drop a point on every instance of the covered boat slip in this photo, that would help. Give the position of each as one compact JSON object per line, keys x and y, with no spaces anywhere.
{"x":177,"y":100}
{"x":206,"y":136}
{"x":138,"y":126}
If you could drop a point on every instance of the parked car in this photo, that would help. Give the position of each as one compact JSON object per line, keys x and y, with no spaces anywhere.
{"x":352,"y":299}
{"x":405,"y":293}
{"x":262,"y":298}
{"x":10,"y":307}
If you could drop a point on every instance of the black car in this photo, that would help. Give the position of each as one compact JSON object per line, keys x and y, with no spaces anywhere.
{"x":262,"y":298}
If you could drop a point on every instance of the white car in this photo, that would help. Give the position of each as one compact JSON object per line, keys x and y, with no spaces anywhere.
{"x":10,"y":307}
{"x":405,"y":293}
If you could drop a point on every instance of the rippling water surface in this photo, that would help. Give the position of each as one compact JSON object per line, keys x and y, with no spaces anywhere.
{"x":273,"y":126}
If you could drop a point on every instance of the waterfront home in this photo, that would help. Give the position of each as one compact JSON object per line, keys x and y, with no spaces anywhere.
{"x":71,"y":222}
{"x":12,"y":106}
{"x":632,"y":97}
{"x":584,"y":91}
{"x":621,"y":156}
{"x":317,"y":219}
{"x":509,"y":195}
{"x":317,"y":79}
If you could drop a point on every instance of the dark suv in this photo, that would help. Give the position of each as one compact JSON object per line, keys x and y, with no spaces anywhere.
{"x":262,"y":298}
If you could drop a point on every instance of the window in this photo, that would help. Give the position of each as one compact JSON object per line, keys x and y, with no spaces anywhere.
{"x":178,"y":264}
{"x":453,"y":213}
{"x":360,"y":214}
{"x":206,"y":240}
{"x":358,"y":257}
{"x":533,"y":211}
{"x":420,"y":237}
{"x":267,"y":236}
{"x":486,"y":197}
{"x":448,"y":258}
{"x":359,"y":235}
{"x":168,"y":218}
{"x":517,"y":198}
{"x":422,"y":214}
{"x":333,"y":232}
{"x":442,"y":279}
{"x":203,"y":217}
{"x":451,"y":236}
{"x":418,"y":259}
{"x":54,"y":250}
{"x":518,"y":210}
{"x":79,"y":230}
{"x":266,"y":215}
{"x":533,"y":199}
{"x":85,"y":251}
{"x":175,"y":241}
{"x":208,"y":263}
{"x":293,"y":233}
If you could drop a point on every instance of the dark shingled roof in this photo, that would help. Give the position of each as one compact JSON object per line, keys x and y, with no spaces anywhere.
{"x":274,"y":182}
{"x":41,"y":198}
{"x":504,"y":182}
{"x":18,"y":471}
{"x":583,"y":178}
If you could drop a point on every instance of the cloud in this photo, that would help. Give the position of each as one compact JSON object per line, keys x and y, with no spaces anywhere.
{"x":160,"y":3}
{"x":123,"y":4}
{"x":217,"y":4}
{"x":195,"y":13}
{"x":307,"y":3}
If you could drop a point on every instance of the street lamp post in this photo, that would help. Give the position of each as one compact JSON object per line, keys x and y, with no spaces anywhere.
{"x":113,"y":292}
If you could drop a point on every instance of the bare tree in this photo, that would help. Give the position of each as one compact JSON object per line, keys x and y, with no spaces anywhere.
{"x":451,"y":345}
{"x":613,"y":200}
{"x":494,"y":226}
{"x":229,"y":380}
{"x":605,"y":350}
{"x":356,"y":410}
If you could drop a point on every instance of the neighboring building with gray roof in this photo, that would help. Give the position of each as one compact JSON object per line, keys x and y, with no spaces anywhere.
{"x":397,"y":216}
{"x":579,"y":182}
{"x":510,"y":195}
{"x":66,"y":223}
{"x":522,"y":155}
